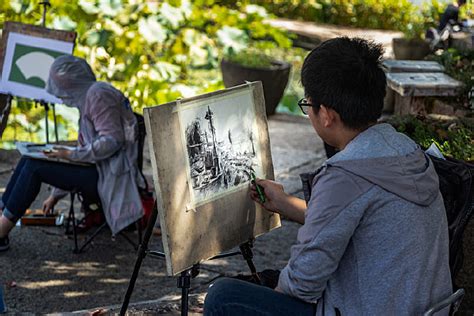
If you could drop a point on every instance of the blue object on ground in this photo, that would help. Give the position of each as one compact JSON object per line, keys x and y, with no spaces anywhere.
{"x":3,"y":307}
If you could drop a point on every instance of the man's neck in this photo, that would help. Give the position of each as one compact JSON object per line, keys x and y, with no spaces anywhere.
{"x":346,"y":135}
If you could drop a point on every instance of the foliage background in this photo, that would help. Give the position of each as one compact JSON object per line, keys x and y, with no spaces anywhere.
{"x":157,"y":51}
{"x":153,"y":51}
{"x":398,"y":15}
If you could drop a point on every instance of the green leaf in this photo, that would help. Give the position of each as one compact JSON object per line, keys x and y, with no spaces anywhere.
{"x":166,"y":71}
{"x":64,"y":23}
{"x":185,"y":91}
{"x":110,"y":7}
{"x":232,"y":38}
{"x":256,"y":9}
{"x":171,"y":15}
{"x":151,"y":30}
{"x":186,"y":8}
{"x":89,"y":6}
{"x":93,"y":38}
{"x":21,"y":6}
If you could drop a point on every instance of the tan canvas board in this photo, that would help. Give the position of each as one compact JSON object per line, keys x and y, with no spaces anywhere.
{"x":203,"y":151}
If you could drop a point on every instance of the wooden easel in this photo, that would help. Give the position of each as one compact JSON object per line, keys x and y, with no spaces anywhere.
{"x":184,"y":279}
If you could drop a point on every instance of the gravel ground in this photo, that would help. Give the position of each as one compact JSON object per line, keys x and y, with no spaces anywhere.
{"x":41,"y":275}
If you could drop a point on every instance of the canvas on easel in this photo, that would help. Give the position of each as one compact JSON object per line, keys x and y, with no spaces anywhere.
{"x":26,"y":55}
{"x":203,"y":151}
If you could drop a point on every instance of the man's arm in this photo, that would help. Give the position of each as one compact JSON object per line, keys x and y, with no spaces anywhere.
{"x":333,"y":214}
{"x":276,"y":200}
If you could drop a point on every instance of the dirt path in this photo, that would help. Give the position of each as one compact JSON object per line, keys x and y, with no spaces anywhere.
{"x":312,"y":34}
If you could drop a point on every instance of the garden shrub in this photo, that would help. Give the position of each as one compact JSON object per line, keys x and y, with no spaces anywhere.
{"x":453,"y":137}
{"x":400,"y":15}
{"x":459,"y":65}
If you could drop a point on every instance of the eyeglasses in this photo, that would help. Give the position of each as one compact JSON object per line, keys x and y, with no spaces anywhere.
{"x":304,"y":105}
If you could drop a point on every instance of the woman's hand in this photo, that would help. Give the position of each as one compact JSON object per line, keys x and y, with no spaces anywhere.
{"x":48,"y":204}
{"x":58,"y":152}
{"x":273,"y":192}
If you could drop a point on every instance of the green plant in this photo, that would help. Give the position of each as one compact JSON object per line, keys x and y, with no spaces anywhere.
{"x":251,"y":59}
{"x":425,"y":16}
{"x":459,"y":65}
{"x":415,"y":29}
{"x":455,"y":138}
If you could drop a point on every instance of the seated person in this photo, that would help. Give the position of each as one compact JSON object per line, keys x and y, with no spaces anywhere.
{"x":374,"y":239}
{"x":450,"y":16}
{"x":107,"y":140}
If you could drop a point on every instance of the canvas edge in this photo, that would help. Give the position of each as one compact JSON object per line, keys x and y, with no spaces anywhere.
{"x":159,"y":199}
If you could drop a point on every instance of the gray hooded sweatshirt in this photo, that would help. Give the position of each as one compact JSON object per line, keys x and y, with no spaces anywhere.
{"x":107,"y":137}
{"x":375,"y":238}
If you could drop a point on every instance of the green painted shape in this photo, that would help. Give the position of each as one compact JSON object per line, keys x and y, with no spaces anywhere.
{"x":15,"y":73}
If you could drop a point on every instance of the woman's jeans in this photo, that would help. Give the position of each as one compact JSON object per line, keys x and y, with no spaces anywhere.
{"x":235,"y":297}
{"x":26,"y":180}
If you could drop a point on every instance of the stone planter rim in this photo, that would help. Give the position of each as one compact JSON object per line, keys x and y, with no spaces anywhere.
{"x":276,"y":65}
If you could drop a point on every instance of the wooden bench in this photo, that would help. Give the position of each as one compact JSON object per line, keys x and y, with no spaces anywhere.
{"x":412,"y":88}
{"x":397,"y":66}
{"x":403,"y":66}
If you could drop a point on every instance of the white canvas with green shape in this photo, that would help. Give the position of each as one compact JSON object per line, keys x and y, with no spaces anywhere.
{"x":26,"y":65}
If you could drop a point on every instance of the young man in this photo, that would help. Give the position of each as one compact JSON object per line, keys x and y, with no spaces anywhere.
{"x":374,"y":239}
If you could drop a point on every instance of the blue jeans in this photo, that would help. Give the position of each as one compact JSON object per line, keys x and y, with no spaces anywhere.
{"x":235,"y":297}
{"x":25,"y":183}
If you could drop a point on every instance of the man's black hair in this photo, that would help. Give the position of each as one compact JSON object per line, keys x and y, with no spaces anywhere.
{"x":345,"y":74}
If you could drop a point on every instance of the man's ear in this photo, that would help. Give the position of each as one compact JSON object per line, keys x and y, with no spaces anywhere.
{"x":328,"y":116}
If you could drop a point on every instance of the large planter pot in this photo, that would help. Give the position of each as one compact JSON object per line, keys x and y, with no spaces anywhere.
{"x":414,"y":49}
{"x":274,"y":80}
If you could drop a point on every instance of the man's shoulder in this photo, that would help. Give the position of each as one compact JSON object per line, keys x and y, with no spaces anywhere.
{"x":333,"y":184}
{"x":378,"y":141}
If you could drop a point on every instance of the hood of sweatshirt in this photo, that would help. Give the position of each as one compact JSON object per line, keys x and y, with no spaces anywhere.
{"x":385,"y":158}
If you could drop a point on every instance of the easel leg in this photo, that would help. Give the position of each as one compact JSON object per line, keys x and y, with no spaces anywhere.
{"x":72,"y":218}
{"x":184,"y":283}
{"x":46,"y":124}
{"x":55,"y":123}
{"x":142,"y":251}
{"x":246,"y":250}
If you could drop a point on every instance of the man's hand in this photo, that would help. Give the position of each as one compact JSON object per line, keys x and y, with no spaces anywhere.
{"x":273,"y":192}
{"x":58,"y":152}
{"x":48,"y":204}
{"x":277,"y":201}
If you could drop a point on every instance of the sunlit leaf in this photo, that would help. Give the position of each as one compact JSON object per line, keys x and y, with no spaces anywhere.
{"x":186,"y":8}
{"x":64,"y":23}
{"x":171,"y":15}
{"x":185,"y":91}
{"x":93,"y":38}
{"x":89,"y":6}
{"x":232,"y":38}
{"x":256,"y":9}
{"x":166,"y":71}
{"x":151,"y":30}
{"x":21,"y":6}
{"x":110,"y":7}
{"x":113,"y":26}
